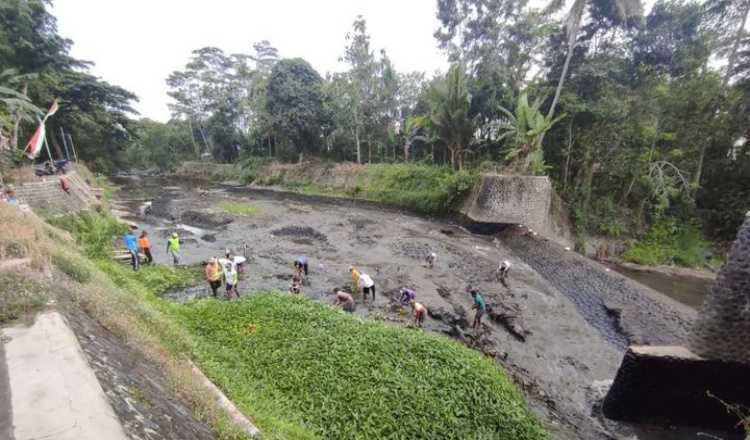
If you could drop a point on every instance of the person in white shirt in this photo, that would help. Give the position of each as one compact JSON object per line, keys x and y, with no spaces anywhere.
{"x":431,"y":259}
{"x":504,"y":268}
{"x":230,"y":278}
{"x":366,"y":285}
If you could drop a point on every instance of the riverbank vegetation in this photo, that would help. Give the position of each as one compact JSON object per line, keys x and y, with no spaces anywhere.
{"x":639,"y":116}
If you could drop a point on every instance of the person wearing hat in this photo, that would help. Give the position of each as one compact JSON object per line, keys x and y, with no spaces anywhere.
{"x":145,"y":246}
{"x":173,"y":246}
{"x":213,"y":275}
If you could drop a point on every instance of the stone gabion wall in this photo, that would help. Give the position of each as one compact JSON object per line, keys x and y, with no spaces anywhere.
{"x":722,"y":330}
{"x":200,"y":169}
{"x":511,"y":200}
{"x":46,"y":197}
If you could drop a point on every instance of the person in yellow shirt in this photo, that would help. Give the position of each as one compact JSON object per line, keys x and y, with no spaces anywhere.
{"x":355,"y":274}
{"x":213,"y":275}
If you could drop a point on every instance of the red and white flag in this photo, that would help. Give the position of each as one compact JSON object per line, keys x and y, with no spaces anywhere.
{"x":52,"y":110}
{"x":35,"y":144}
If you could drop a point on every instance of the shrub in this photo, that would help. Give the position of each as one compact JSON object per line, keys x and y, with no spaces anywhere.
{"x":668,"y":243}
{"x":97,"y":232}
{"x":289,"y":359}
{"x":72,"y":268}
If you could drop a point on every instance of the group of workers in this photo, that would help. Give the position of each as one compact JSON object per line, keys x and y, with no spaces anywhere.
{"x":228,"y":270}
{"x":136,"y":245}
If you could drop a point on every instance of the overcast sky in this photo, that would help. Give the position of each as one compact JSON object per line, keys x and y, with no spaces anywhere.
{"x":136,"y":44}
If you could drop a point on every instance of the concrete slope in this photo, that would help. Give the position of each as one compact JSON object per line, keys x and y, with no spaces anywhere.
{"x":54,"y":393}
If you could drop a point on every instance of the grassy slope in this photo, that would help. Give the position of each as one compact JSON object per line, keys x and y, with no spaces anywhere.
{"x":283,"y":357}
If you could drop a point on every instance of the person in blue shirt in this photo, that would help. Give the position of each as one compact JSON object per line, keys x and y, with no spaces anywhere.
{"x":480,"y":306}
{"x":131,"y":243}
{"x":301,"y":264}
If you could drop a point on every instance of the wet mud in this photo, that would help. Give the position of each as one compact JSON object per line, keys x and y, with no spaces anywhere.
{"x":558,"y":327}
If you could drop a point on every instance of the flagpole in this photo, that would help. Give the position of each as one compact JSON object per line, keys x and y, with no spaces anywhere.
{"x":73,"y":147}
{"x":49,"y":153}
{"x":65,"y":143}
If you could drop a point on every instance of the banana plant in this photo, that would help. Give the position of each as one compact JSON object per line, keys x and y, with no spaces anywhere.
{"x":525,"y":129}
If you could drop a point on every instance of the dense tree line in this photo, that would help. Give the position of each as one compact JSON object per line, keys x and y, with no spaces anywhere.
{"x":639,"y":120}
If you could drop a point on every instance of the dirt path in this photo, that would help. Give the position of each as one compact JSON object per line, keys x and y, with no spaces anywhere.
{"x":557,"y":354}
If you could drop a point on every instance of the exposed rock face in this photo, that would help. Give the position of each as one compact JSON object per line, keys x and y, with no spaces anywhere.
{"x":722,"y":330}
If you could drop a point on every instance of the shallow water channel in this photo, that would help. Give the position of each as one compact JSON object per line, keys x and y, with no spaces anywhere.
{"x":688,"y":290}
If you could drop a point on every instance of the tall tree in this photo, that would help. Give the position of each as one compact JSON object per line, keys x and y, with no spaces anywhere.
{"x":298,"y":105}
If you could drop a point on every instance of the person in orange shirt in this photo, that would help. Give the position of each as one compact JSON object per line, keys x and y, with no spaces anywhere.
{"x":145,"y":246}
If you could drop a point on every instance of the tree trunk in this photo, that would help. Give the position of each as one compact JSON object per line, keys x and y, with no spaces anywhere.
{"x":359,"y":150}
{"x":568,"y":154}
{"x":192,"y":138}
{"x":406,"y":150}
{"x":561,"y":82}
{"x":460,"y":154}
{"x":369,"y":152}
{"x":17,"y":123}
{"x":735,"y":46}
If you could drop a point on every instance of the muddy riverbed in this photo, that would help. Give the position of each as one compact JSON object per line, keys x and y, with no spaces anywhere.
{"x":562,"y":345}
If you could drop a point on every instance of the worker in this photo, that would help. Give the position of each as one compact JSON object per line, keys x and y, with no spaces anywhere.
{"x":173,"y":246}
{"x":344,"y":298}
{"x":504,"y":268}
{"x":431,"y":260}
{"x":213,"y":275}
{"x":147,"y":207}
{"x":301,"y":264}
{"x":230,"y":278}
{"x":296,"y":282}
{"x":131,"y":244}
{"x":420,"y":313}
{"x":366,"y":285}
{"x":238,"y":261}
{"x":355,"y":274}
{"x":407,"y":295}
{"x":479,"y":306}
{"x":145,"y":246}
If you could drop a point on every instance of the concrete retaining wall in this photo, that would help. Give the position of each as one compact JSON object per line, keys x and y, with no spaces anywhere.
{"x":671,"y":384}
{"x":511,"y":200}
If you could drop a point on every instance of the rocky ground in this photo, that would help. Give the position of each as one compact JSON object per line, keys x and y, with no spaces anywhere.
{"x":559,"y":325}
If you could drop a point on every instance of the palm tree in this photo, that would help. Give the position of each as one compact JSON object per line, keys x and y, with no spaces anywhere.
{"x":526,"y":127}
{"x":625,"y":8}
{"x":449,"y":117}
{"x":14,"y":106}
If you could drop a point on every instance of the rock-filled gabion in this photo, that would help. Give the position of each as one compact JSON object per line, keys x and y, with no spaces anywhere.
{"x":722,"y":330}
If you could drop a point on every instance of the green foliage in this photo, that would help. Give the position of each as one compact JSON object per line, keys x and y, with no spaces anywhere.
{"x":669,"y":243}
{"x":153,"y":278}
{"x":97,"y":232}
{"x":422,"y":188}
{"x":21,"y":296}
{"x":241,"y":208}
{"x":72,"y":267}
{"x":290,"y":360}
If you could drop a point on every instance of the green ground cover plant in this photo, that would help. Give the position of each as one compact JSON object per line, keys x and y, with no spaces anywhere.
{"x":670,"y":244}
{"x":241,"y":208}
{"x":292,"y":361}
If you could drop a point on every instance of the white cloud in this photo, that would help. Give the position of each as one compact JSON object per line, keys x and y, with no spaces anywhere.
{"x":136,"y":44}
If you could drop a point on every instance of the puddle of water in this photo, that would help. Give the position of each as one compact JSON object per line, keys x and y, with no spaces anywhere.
{"x":691,"y":291}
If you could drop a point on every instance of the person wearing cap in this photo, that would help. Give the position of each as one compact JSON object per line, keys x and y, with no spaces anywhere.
{"x":173,"y":246}
{"x":355,"y":274}
{"x":504,"y":268}
{"x":420,"y":313}
{"x":366,"y":285}
{"x":131,"y":244}
{"x":213,"y":275}
{"x":344,"y":298}
{"x":408,"y":295}
{"x":431,"y":257}
{"x":145,"y":246}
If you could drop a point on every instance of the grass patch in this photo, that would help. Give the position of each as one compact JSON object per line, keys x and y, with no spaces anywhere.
{"x":240,"y":208}
{"x":21,"y":296}
{"x":308,"y":371}
{"x":71,"y":267}
{"x":96,"y":232}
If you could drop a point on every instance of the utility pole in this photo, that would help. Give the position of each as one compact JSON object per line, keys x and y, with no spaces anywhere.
{"x":72,"y":147}
{"x":65,"y":143}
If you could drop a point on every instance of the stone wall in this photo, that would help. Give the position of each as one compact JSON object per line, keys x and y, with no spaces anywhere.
{"x":46,"y":197}
{"x":503,"y":199}
{"x":722,"y":330}
{"x":204,"y":170}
